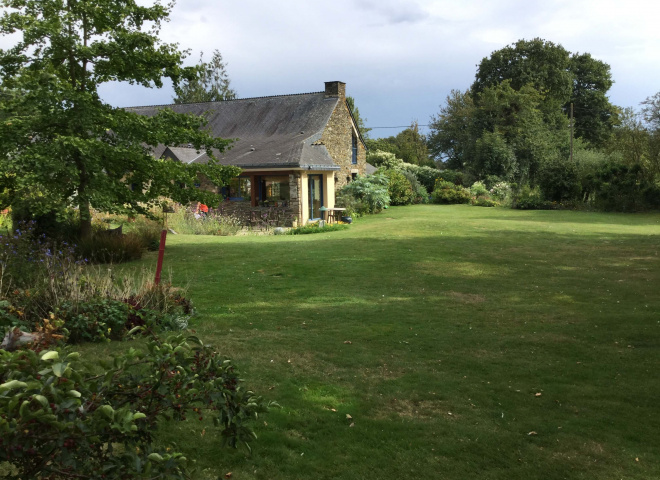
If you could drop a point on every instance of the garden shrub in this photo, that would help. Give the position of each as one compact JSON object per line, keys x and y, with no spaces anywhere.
{"x":398,"y":188}
{"x":425,"y":175}
{"x":446,"y":192}
{"x":419,"y":193}
{"x":501,"y":192}
{"x":559,"y":180}
{"x":530,"y":199}
{"x":623,"y":188}
{"x":484,"y":202}
{"x":63,"y":417}
{"x":366,"y":194}
{"x":478,"y":189}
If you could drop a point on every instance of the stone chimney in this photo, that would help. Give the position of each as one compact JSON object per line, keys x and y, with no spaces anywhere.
{"x":335,"y":89}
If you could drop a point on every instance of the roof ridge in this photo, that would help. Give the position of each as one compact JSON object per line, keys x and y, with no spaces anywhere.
{"x":224,"y":101}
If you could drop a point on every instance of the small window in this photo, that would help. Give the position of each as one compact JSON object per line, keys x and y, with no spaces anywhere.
{"x":355,"y":150}
{"x":354,"y":176}
{"x":240,"y":188}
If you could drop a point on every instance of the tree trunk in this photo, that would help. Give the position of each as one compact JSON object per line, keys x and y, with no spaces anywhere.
{"x":85,"y":219}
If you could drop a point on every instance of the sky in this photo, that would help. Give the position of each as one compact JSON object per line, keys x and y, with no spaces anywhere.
{"x":400,"y":58}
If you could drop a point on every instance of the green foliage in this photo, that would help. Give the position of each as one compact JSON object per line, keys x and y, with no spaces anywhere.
{"x":409,"y":145}
{"x":446,"y":192}
{"x":528,"y":198}
{"x":383,"y":159}
{"x":425,"y":175}
{"x":365,"y":195}
{"x":559,"y":180}
{"x":63,"y":417}
{"x":451,"y":137}
{"x":478,"y":189}
{"x":453,"y":176}
{"x":316,"y":228}
{"x":623,"y":188}
{"x":419,"y":192}
{"x":211,"y":83}
{"x":62,"y":144}
{"x":494,"y":157}
{"x":399,"y":188}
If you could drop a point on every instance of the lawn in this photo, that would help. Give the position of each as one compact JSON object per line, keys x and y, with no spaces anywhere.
{"x":444,"y":342}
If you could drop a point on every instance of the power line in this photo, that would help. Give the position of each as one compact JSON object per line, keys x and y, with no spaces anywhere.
{"x":400,"y":126}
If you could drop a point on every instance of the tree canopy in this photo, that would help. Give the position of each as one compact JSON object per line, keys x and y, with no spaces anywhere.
{"x":211,"y":83}
{"x":561,"y":77}
{"x":61,"y":144}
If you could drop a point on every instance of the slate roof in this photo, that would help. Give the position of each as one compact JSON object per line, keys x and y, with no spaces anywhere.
{"x":272,"y":132}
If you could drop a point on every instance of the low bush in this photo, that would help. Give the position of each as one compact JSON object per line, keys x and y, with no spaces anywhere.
{"x":64,"y":417}
{"x":446,"y":192}
{"x":316,"y":228}
{"x":484,"y":202}
{"x":528,"y":198}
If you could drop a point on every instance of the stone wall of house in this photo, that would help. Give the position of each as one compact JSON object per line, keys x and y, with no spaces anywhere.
{"x":295,"y":192}
{"x":338,"y":138}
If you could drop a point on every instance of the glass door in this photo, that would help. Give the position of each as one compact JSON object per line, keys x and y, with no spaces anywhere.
{"x":315,"y":196}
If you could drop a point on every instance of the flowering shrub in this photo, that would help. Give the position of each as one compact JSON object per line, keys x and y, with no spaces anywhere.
{"x":501,"y":191}
{"x":60,"y":418}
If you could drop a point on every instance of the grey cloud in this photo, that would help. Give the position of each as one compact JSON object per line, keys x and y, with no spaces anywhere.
{"x":395,"y":11}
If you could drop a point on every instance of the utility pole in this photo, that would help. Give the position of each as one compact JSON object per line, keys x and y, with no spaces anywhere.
{"x":571,"y":132}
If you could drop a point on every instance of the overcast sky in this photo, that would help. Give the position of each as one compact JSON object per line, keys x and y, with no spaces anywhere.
{"x":400,"y":58}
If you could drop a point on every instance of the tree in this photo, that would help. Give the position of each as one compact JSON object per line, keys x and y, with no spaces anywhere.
{"x":537,"y":62}
{"x":210,"y":85}
{"x":359,"y":121}
{"x":412,"y":146}
{"x":452,"y":135}
{"x":562,"y":78}
{"x":61,"y":144}
{"x":594,"y":114}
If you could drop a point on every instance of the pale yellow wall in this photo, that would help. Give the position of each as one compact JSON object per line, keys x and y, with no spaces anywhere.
{"x":304,"y":198}
{"x":328,"y":192}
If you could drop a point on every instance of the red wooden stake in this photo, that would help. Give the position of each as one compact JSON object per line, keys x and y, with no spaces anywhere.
{"x":161,"y":253}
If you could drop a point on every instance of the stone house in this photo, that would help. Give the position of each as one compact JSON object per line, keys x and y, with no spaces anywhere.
{"x":295,"y":151}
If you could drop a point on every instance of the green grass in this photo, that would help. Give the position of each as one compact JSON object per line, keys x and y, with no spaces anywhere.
{"x":469,"y":328}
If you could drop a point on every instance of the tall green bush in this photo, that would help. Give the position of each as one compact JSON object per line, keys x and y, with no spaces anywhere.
{"x":365,"y":195}
{"x":398,"y":188}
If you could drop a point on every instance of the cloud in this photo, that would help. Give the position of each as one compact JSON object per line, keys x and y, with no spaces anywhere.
{"x":394,"y":11}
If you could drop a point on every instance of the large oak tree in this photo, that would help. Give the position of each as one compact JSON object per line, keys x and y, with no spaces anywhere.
{"x":61,"y":144}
